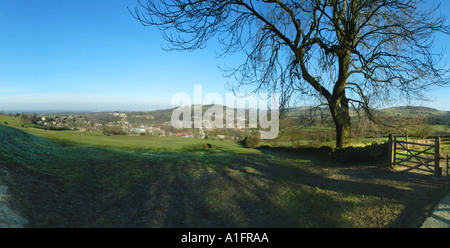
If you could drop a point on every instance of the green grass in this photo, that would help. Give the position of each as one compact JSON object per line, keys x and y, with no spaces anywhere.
{"x":35,"y":150}
{"x":140,"y":143}
{"x":227,"y":185}
{"x":12,"y":121}
{"x":445,"y":149}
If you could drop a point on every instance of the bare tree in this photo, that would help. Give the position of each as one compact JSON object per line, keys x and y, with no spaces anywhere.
{"x":346,"y":53}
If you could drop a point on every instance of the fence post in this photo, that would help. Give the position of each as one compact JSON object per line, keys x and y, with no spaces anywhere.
{"x":390,"y":151}
{"x":394,"y":150}
{"x":447,"y":168}
{"x":437,"y":157}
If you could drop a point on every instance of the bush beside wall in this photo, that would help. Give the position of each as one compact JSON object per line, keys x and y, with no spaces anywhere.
{"x":348,"y":155}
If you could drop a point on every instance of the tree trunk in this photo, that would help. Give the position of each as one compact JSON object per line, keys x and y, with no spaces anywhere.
{"x":338,"y":102}
{"x":341,"y":117}
{"x":343,"y":130}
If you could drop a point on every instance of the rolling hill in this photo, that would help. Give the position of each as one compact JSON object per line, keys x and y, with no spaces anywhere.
{"x":109,"y":183}
{"x":23,"y":148}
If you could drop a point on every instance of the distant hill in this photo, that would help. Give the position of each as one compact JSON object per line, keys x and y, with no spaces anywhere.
{"x":159,"y":117}
{"x":392,"y":110}
{"x":413,"y":110}
{"x":165,"y":115}
{"x":433,"y":116}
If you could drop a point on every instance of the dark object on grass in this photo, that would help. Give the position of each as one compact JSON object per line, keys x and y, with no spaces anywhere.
{"x":207,"y":146}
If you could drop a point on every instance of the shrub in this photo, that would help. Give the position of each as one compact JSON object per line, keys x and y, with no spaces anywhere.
{"x":252,"y":141}
{"x":349,"y":155}
{"x":370,"y":153}
{"x":113,"y":130}
{"x":424,"y":132}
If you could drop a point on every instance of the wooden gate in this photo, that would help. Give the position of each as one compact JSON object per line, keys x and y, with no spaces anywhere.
{"x":425,"y":156}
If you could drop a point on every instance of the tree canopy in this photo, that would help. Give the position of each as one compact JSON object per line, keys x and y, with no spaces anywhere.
{"x":345,"y":53}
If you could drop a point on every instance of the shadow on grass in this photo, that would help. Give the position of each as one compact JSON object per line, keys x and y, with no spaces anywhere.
{"x":374,"y":153}
{"x":218,"y":187}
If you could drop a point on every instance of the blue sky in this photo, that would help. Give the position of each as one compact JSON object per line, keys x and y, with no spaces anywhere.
{"x":93,"y":55}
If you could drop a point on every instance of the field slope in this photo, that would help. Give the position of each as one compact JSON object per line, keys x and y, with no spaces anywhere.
{"x":66,"y":179}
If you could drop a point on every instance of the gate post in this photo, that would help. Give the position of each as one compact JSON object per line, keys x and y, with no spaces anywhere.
{"x":437,"y":157}
{"x":391,"y":154}
{"x":447,"y":168}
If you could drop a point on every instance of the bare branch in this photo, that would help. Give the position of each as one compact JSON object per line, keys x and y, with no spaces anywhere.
{"x":342,"y":51}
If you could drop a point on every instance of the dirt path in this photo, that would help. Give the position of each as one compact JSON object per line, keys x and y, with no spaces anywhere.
{"x":8,"y":218}
{"x":440,"y":218}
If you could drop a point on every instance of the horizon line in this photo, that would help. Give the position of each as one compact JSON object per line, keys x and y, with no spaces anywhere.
{"x":160,"y":108}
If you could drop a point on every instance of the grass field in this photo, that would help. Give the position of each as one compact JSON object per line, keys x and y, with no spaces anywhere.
{"x":135,"y":143}
{"x":71,"y":179}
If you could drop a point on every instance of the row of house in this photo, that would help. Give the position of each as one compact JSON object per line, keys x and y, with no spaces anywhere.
{"x":80,"y":123}
{"x":72,"y":122}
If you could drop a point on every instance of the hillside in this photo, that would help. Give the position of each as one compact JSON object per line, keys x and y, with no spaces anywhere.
{"x":402,"y":110}
{"x":414,"y":110}
{"x":134,"y":184}
{"x":23,"y":148}
{"x":431,"y":115}
{"x":163,"y":117}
